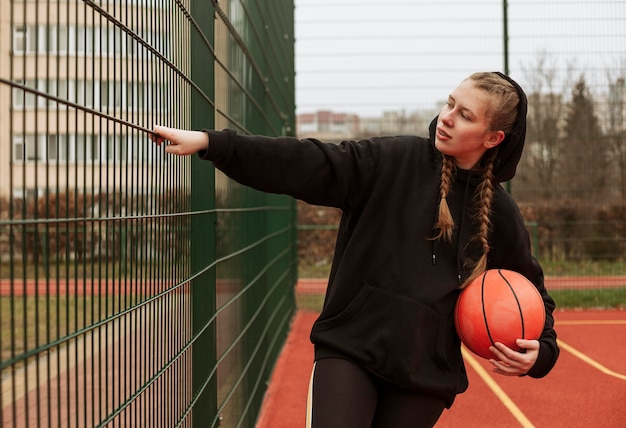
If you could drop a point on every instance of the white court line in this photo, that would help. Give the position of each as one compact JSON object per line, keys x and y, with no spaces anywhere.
{"x":495,"y":388}
{"x":309,"y":401}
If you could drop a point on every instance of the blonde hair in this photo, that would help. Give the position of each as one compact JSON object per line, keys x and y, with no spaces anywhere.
{"x":502,"y":113}
{"x":504,"y":100}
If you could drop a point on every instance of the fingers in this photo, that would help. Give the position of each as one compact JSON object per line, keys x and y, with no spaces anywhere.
{"x":181,"y":142}
{"x":528,"y":344}
{"x":178,"y":140}
{"x":504,"y":363}
{"x":157,"y":135}
{"x":162,"y":133}
{"x":509,"y":362}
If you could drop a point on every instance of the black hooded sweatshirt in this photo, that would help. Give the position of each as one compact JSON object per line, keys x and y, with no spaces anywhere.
{"x":392,"y":288}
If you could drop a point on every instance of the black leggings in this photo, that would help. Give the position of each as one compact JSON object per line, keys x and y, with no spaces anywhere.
{"x":344,"y":395}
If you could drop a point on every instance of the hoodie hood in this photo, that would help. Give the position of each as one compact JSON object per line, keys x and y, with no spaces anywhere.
{"x":510,"y":149}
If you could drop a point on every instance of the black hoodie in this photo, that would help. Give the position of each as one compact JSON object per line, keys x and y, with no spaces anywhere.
{"x":391,"y":293}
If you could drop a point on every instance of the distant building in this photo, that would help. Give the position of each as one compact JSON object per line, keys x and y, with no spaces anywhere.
{"x":328,"y":126}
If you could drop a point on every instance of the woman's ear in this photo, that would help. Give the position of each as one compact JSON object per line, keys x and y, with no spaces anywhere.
{"x":494,"y":138}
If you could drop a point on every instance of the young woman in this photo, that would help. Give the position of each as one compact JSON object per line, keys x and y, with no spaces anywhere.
{"x":421,"y":219}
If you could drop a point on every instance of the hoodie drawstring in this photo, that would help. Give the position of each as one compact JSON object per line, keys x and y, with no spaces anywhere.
{"x":459,"y":249}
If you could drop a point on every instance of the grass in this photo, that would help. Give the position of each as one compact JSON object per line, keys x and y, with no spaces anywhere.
{"x":29,"y":322}
{"x":583,"y":268}
{"x":550,"y":268}
{"x":602,"y":298}
{"x":63,"y":269}
{"x":310,"y":302}
{"x":609,"y":298}
{"x":313,"y":270}
{"x":306,"y":269}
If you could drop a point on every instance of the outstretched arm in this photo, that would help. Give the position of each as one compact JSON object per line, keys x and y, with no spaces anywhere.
{"x":337,"y":175}
{"x":181,"y":142}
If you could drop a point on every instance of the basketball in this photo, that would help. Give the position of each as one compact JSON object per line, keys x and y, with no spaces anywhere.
{"x":498,"y":306}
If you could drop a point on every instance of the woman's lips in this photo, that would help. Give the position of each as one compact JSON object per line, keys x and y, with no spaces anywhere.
{"x":443,"y":133}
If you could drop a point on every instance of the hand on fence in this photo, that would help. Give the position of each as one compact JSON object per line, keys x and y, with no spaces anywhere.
{"x":181,"y":142}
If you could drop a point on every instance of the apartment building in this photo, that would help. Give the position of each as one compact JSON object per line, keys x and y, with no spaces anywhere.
{"x":75,"y":94}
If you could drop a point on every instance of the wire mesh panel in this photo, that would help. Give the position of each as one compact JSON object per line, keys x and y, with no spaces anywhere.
{"x":368,"y":68}
{"x":127,"y":298}
{"x":571,"y":182}
{"x":256,"y":237}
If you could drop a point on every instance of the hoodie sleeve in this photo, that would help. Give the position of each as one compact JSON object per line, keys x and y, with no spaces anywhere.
{"x":318,"y":173}
{"x":511,"y":249}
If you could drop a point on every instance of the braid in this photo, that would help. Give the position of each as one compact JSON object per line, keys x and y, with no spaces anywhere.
{"x":445,"y":223}
{"x":484,"y":194}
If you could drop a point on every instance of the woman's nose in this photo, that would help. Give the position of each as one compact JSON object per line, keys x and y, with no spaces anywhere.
{"x":446,"y":118}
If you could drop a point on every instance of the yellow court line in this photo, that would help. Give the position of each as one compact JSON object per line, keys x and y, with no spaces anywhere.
{"x":499,"y":392}
{"x":589,"y":361}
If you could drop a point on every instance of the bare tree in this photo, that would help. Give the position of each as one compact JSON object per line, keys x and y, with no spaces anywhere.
{"x":584,"y":154}
{"x":539,"y":167}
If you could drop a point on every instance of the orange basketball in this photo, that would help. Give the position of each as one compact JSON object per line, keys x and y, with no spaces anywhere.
{"x":498,"y":306}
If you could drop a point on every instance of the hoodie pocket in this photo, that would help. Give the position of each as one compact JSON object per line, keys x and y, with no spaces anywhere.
{"x":400,"y":339}
{"x":345,"y":315}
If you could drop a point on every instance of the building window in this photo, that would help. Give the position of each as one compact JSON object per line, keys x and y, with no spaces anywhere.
{"x":19,"y":96}
{"x":79,"y":148}
{"x":129,"y":96}
{"x":81,"y":92}
{"x":19,"y":39}
{"x":83,"y":40}
{"x":28,"y":39}
{"x":36,"y":148}
{"x":28,"y":100}
{"x":18,"y":149}
{"x":26,"y":149}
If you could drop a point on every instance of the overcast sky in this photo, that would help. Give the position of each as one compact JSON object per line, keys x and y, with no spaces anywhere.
{"x":366,"y":56}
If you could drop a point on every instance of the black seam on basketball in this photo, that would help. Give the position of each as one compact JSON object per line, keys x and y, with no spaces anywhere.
{"x":482,"y":297}
{"x":519,"y":306}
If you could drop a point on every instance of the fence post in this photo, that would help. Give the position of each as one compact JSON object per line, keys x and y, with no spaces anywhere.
{"x":203,"y":252}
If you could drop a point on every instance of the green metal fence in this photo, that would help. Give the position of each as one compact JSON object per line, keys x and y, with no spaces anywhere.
{"x":140,"y":289}
{"x":137,"y":288}
{"x":394,"y":63}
